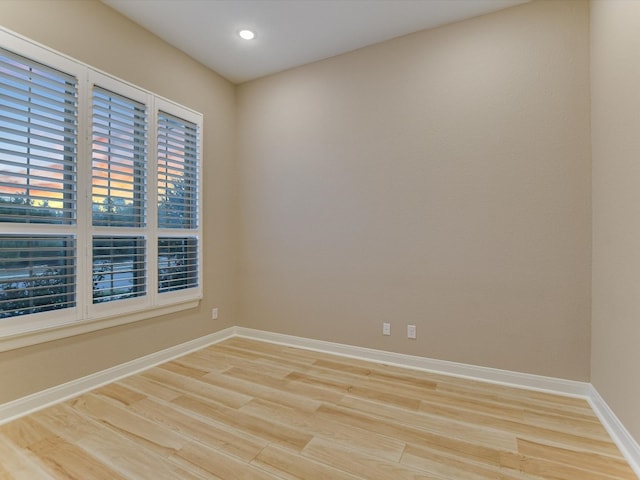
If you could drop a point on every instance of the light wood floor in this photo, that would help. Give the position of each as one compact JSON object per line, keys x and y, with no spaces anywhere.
{"x":243,"y":409}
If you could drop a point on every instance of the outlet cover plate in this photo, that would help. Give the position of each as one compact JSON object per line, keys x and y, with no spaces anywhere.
{"x":411,"y":331}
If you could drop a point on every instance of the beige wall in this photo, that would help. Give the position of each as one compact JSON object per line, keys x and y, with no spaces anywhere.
{"x":615,"y":77}
{"x":441,"y":179}
{"x":97,"y":35}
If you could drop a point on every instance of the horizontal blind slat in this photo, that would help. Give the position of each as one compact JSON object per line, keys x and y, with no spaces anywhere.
{"x":62,"y":99}
{"x":104,"y":125}
{"x":39,"y":148}
{"x":126,"y":139}
{"x":66,"y":116}
{"x":64,"y":130}
{"x":18,"y":92}
{"x":12,"y":58}
{"x":119,"y":154}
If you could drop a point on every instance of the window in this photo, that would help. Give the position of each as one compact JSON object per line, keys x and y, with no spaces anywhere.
{"x":99,"y":197}
{"x":177,"y":203}
{"x":38,"y":274}
{"x":38,"y":114}
{"x":119,"y":195}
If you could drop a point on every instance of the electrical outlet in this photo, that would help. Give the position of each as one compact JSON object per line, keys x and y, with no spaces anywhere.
{"x":386,"y":329}
{"x":411,"y":331}
{"x":214,"y":313}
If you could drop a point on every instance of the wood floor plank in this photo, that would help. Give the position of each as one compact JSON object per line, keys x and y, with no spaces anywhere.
{"x":288,"y":465}
{"x":246,"y":409}
{"x":270,"y":392}
{"x":268,"y":430}
{"x":452,"y":466}
{"x":521,"y":428}
{"x":357,"y":463}
{"x":351,"y":437}
{"x":64,"y":459}
{"x":152,"y":435}
{"x":575,"y":424}
{"x":602,"y":464}
{"x":223,"y":360}
{"x":548,"y":469}
{"x":196,"y":387}
{"x":407,"y":433}
{"x":220,"y":465}
{"x":516,"y":396}
{"x":202,"y":430}
{"x":433,"y":424}
{"x":150,"y":387}
{"x":128,"y":458}
{"x":25,"y":432}
{"x":267,"y":359}
{"x":272,"y":351}
{"x":185,"y":370}
{"x":315,"y":392}
{"x":343,"y":386}
{"x":19,"y":463}
{"x":120,"y":393}
{"x":369,"y":370}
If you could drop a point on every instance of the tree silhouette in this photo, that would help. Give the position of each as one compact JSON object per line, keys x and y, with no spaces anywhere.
{"x":176,"y":204}
{"x":43,"y":292}
{"x":18,"y":208}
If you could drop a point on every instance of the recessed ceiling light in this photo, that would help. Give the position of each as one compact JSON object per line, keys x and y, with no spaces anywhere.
{"x":246,"y":34}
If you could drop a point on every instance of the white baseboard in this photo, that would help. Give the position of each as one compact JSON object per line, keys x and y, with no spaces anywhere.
{"x":39,"y":400}
{"x":493,"y":375}
{"x":620,"y":435}
{"x":628,"y":446}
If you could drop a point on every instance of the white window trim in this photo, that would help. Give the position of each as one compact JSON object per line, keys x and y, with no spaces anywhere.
{"x":21,"y":331}
{"x":196,"y":118}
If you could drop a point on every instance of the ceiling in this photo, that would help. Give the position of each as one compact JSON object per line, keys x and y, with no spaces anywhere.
{"x":289,"y":33}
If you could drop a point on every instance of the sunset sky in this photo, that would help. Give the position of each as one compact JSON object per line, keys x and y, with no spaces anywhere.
{"x":119,"y":177}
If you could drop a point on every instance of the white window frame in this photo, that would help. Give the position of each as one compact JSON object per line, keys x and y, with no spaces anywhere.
{"x":86,"y":316}
{"x":120,"y":307}
{"x":166,"y":106}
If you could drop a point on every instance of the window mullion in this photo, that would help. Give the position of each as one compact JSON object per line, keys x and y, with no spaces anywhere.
{"x":152,"y":209}
{"x":83,"y":274}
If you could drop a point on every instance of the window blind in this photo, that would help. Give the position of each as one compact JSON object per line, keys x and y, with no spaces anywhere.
{"x":118,"y":268}
{"x":38,"y":142}
{"x":177,"y":172}
{"x":177,"y":202}
{"x":37,"y":274}
{"x":177,"y":263}
{"x":119,"y":157}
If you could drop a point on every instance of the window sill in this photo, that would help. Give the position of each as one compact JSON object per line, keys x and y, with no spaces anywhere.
{"x":11,"y":340}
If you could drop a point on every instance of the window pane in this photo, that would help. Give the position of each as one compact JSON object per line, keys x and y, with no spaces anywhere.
{"x":37,"y":274}
{"x":119,"y":152}
{"x":177,"y":172}
{"x":118,"y":268}
{"x":177,"y":263}
{"x":38,"y":117}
